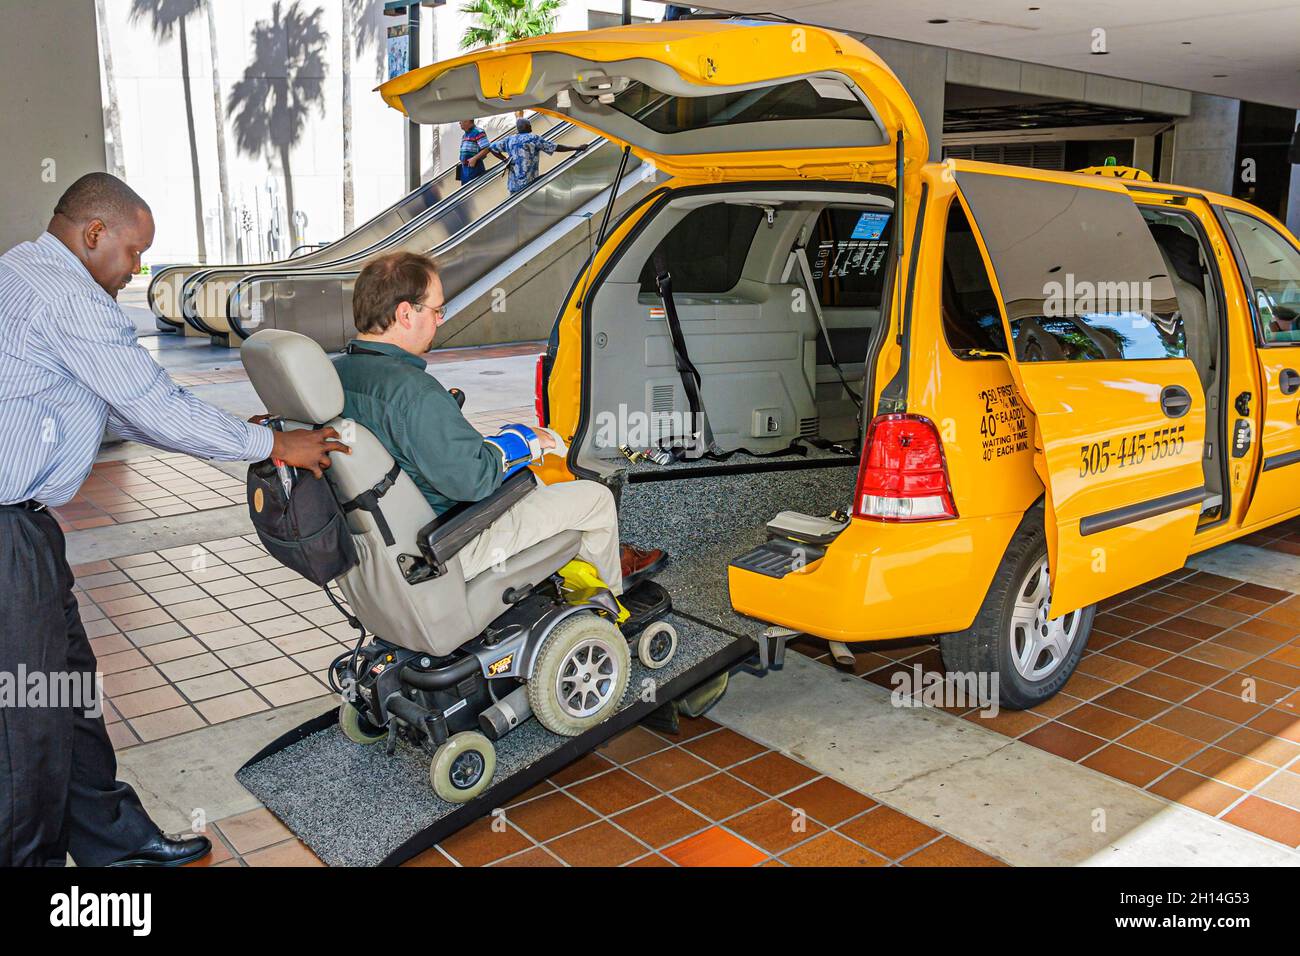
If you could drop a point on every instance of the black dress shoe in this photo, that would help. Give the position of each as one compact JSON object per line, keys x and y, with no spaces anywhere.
{"x":165,"y":850}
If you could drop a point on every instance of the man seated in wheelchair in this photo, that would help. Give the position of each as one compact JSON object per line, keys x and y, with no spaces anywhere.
{"x":397,"y":306}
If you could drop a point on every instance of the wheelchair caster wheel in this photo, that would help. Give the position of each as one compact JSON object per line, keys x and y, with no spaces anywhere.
{"x":462,"y":768}
{"x":580,"y":675}
{"x":358,"y":728}
{"x":657,"y":645}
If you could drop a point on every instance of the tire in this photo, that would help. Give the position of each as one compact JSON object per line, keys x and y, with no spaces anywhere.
{"x":358,"y":728}
{"x":657,"y":645}
{"x":582,"y":644}
{"x":462,"y":768}
{"x":1006,"y":639}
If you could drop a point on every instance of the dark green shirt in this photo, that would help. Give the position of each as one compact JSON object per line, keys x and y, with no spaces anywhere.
{"x":420,"y":424}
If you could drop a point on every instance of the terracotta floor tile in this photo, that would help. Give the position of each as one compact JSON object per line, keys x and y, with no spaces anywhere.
{"x":253,"y":830}
{"x":1274,"y":671}
{"x":1237,"y":602}
{"x":950,"y":852}
{"x":1283,"y":788}
{"x":1128,"y":701}
{"x":430,"y":858}
{"x":829,"y":801}
{"x":720,"y":796}
{"x":1251,"y":644}
{"x":888,"y":832}
{"x":1140,"y":612}
{"x":1221,"y":616}
{"x":650,"y":859}
{"x":714,"y":847}
{"x":290,"y":853}
{"x":1226,"y":706}
{"x":1278,"y":723}
{"x":670,"y":769}
{"x":1010,"y":723}
{"x":1084,"y":687}
{"x":773,"y":826}
{"x":1219,"y":655}
{"x":1144,"y":655}
{"x":1119,"y":626}
{"x":660,"y":822}
{"x":1161,"y":743}
{"x":692,"y":727}
{"x":1193,"y":723}
{"x":549,"y":816}
{"x":1128,"y":765}
{"x":831,"y":849}
{"x":1193,"y":790}
{"x":1104,"y":667}
{"x":1098,"y":721}
{"x":581,"y":769}
{"x":1228,"y":767}
{"x":1163,"y":686}
{"x":1258,"y":592}
{"x":773,"y":773}
{"x":631,"y":745}
{"x":1260,"y":746}
{"x":1063,"y":741}
{"x":1267,"y":819}
{"x":1197,"y":672}
{"x":536,"y":857}
{"x":1059,"y":703}
{"x":723,"y":747}
{"x":596,"y":845}
{"x":1166,"y":640}
{"x":480,"y":844}
{"x":166,"y":723}
{"x":612,"y":792}
{"x":1244,"y":687}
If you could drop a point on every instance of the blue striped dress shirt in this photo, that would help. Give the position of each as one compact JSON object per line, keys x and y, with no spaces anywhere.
{"x":69,"y":364}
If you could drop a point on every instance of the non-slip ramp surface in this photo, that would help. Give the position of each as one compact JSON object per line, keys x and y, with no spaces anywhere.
{"x":704,"y":522}
{"x":357,"y":806}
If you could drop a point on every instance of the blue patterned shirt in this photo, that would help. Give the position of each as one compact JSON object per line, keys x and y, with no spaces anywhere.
{"x":524,"y":151}
{"x":69,"y":364}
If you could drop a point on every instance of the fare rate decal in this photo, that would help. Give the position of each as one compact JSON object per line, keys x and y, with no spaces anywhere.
{"x":1002,"y":426}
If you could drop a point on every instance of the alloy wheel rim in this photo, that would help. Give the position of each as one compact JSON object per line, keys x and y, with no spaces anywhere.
{"x":587,"y":678}
{"x":1039,"y":646}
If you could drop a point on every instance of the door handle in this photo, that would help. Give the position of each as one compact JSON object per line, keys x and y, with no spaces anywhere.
{"x":1175,"y":401}
{"x":1289,"y":381}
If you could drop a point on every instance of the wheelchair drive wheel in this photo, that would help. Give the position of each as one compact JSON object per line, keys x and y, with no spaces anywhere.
{"x":462,"y":768}
{"x":357,"y":727}
{"x":580,"y":674}
{"x":657,"y":645}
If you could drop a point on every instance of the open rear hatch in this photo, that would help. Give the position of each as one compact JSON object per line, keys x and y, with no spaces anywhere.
{"x":712,"y":99}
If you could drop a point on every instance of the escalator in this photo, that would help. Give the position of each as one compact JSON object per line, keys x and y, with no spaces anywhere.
{"x":471,"y":233}
{"x":167,"y":285}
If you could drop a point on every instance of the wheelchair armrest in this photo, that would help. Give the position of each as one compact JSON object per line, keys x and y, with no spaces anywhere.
{"x":446,"y":534}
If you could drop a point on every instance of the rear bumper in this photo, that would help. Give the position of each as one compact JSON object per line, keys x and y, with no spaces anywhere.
{"x":882,"y":580}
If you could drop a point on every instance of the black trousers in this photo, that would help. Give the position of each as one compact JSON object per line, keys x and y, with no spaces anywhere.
{"x":58,"y":789}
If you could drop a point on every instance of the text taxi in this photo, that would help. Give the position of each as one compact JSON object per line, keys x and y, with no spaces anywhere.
{"x":1061,"y":385}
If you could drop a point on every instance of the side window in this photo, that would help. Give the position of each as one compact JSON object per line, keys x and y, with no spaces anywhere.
{"x":1080,"y":276}
{"x":706,"y":250}
{"x":847,"y":256}
{"x":971,"y":319}
{"x":1274,"y":266}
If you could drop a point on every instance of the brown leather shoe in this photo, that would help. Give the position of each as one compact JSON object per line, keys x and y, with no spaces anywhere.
{"x":638,"y":563}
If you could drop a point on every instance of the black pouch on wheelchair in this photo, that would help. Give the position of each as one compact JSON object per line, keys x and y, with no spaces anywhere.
{"x":302,"y":527}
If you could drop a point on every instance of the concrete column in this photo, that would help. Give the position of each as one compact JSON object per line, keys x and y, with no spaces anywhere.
{"x":1205,"y":144}
{"x":53,"y":119}
{"x":923,"y":72}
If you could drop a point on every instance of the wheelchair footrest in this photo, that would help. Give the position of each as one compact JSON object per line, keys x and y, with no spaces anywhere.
{"x":646,"y":603}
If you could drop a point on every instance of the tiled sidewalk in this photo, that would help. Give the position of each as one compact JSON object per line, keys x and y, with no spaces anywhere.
{"x":1157,"y":700}
{"x":707,"y":797}
{"x":138,"y":488}
{"x":202,"y":634}
{"x":1284,"y":537}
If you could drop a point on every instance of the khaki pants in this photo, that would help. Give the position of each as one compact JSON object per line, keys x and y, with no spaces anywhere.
{"x":585,"y":506}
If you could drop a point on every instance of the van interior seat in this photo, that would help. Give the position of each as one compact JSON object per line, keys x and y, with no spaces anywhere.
{"x":297,"y":381}
{"x":1182,"y":257}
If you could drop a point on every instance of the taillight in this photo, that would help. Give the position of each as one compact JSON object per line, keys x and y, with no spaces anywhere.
{"x":539,"y":391}
{"x":903,"y":476}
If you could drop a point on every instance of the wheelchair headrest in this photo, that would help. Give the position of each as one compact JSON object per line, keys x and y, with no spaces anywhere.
{"x":293,"y":376}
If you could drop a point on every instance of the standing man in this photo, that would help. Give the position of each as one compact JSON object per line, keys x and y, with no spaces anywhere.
{"x":69,"y":364}
{"x":474,"y":146}
{"x":524,"y":149}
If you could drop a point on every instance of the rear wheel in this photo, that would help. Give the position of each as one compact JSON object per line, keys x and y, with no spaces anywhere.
{"x":357,"y":727}
{"x":581,"y":673}
{"x":462,"y":768}
{"x":1013,"y":636}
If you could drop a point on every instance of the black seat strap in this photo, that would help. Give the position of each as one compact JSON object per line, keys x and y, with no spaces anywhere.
{"x":690,"y":375}
{"x":368,"y":501}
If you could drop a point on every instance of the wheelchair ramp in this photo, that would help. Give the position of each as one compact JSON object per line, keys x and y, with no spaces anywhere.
{"x":357,"y":806}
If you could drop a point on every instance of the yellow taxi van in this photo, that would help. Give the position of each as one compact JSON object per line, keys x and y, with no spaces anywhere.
{"x":1057,"y":386}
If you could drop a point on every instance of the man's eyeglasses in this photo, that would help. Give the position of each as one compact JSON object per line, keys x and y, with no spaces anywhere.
{"x":439,"y":311}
